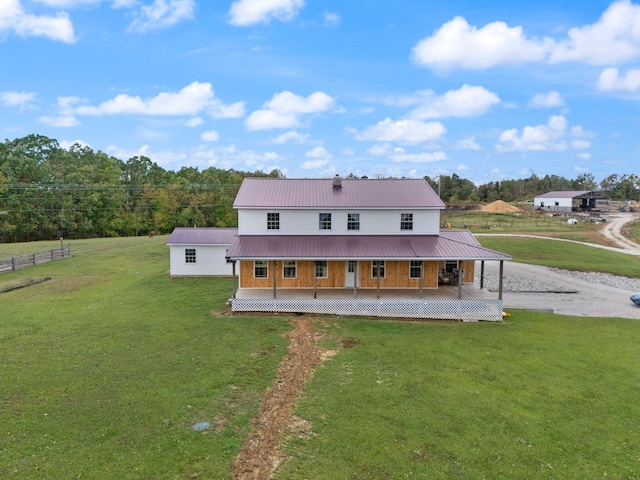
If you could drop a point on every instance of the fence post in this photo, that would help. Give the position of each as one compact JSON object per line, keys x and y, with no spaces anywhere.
{"x":13,"y":264}
{"x":52,"y":254}
{"x":34,"y":258}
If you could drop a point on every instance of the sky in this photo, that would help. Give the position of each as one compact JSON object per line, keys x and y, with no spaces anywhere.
{"x":488,"y":90}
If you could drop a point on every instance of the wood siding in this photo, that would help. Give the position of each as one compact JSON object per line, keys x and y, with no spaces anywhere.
{"x":397,"y":275}
{"x":467,"y":265}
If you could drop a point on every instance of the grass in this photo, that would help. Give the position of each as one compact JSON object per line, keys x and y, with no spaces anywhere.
{"x":107,"y":367}
{"x":632,"y":230}
{"x":537,"y":396}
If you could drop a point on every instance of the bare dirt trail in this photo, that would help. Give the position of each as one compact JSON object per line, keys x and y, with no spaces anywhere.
{"x":612,"y":230}
{"x":259,"y":456}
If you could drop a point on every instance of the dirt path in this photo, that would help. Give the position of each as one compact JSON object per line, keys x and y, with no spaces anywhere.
{"x":259,"y":456}
{"x":612,"y":230}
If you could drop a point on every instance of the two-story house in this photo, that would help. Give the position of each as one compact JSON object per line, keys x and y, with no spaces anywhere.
{"x":303,"y":243}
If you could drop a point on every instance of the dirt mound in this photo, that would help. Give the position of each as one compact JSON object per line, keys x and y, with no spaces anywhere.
{"x":500,"y":207}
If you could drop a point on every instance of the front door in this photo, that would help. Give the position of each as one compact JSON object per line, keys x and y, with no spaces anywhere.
{"x":349,"y":273}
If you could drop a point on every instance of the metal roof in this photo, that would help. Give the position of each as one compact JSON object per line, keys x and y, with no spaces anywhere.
{"x":201,"y":236}
{"x":459,"y":246}
{"x":564,"y":194}
{"x":321,"y":193}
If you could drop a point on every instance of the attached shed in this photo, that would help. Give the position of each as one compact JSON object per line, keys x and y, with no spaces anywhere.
{"x":200,"y":251}
{"x":566,"y":201}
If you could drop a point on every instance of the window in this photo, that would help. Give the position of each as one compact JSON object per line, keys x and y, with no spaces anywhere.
{"x":353,"y":221}
{"x":406,"y":221}
{"x":273,"y":221}
{"x":260,"y":269}
{"x":450,"y":265}
{"x":289,"y":269}
{"x":189,"y":255}
{"x":321,"y":269}
{"x":415,"y":269}
{"x":374,"y":268}
{"x":325,"y":221}
{"x":351,"y":266}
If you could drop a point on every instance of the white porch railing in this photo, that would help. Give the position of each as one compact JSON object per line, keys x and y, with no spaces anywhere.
{"x":468,"y":310}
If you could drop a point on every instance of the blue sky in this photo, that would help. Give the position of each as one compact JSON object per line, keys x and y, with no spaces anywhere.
{"x":485,"y":89}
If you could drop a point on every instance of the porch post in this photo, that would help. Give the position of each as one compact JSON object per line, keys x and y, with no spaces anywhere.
{"x":378,"y":278}
{"x":481,"y":274}
{"x":460,"y":281}
{"x":315,"y":279}
{"x":355,"y":279}
{"x":500,"y":281}
{"x":421,"y":278}
{"x":275,"y":272}
{"x":233,"y":279}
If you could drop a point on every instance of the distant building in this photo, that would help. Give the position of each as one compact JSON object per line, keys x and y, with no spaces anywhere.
{"x":566,"y":201}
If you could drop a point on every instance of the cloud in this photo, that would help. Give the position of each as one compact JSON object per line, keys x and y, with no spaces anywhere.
{"x":192,"y":100}
{"x":554,"y":136}
{"x":194,"y":122}
{"x":314,"y":164}
{"x":469,"y":144}
{"x":319,"y":153}
{"x":162,"y":14}
{"x":467,"y":101}
{"x":17,"y":99}
{"x":610,"y":80}
{"x":62,"y":121}
{"x":331,"y":19}
{"x":56,"y":27}
{"x":613,"y":39}
{"x":459,"y":45}
{"x":250,"y":12}
{"x":547,"y":100}
{"x":210,"y":136}
{"x":285,"y":110}
{"x":584,"y":156}
{"x":291,"y":137}
{"x":418,"y":157}
{"x":403,"y":131}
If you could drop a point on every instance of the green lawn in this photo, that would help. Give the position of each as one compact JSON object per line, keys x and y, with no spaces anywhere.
{"x":107,"y":367}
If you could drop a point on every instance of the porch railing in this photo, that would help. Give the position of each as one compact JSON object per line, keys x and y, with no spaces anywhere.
{"x":468,"y":310}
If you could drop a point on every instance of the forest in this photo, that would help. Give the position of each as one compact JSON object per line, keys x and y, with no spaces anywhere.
{"x":48,"y":192}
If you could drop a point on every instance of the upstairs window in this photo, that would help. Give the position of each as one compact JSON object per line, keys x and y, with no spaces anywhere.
{"x":406,"y":221}
{"x":260,"y":269}
{"x":415,"y":268}
{"x":289,"y":269}
{"x":189,"y":255}
{"x":353,"y":221}
{"x":324,"y":221}
{"x":375,"y":265}
{"x":273,"y":221}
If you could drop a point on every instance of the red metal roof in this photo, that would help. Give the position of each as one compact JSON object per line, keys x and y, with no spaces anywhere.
{"x":459,"y":245}
{"x":320,"y":193}
{"x":201,"y":236}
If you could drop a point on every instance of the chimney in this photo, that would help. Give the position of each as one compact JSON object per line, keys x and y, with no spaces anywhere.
{"x":337,"y":181}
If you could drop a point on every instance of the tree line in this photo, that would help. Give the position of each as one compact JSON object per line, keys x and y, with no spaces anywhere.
{"x":48,"y":192}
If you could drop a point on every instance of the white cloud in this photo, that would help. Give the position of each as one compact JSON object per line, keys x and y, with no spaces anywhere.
{"x":418,"y":157}
{"x":194,"y":122}
{"x":469,"y":144}
{"x":209,"y":136}
{"x":403,"y":131}
{"x":319,"y":153}
{"x":467,"y":101}
{"x":348,"y":152}
{"x":191,"y":100}
{"x":613,"y":39}
{"x":547,"y":100}
{"x":584,"y":156}
{"x":611,"y":80}
{"x":291,"y":137}
{"x":17,"y":99}
{"x":162,"y":14}
{"x":459,"y":45}
{"x":62,"y":121}
{"x":331,"y":19}
{"x":550,"y":137}
{"x":56,"y":27}
{"x":249,"y":12}
{"x":285,"y":110}
{"x":314,"y":164}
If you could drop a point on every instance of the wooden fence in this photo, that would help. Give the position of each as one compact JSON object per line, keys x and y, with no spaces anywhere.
{"x":31,"y":259}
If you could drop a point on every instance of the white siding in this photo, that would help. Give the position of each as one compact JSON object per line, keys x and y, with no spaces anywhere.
{"x":305,"y":222}
{"x":549,"y":204}
{"x":210,"y":261}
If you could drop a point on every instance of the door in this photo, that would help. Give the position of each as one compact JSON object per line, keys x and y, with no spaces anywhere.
{"x":349,"y":273}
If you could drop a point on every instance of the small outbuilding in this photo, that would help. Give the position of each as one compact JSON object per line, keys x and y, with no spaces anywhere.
{"x":566,"y":201}
{"x":200,"y":251}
